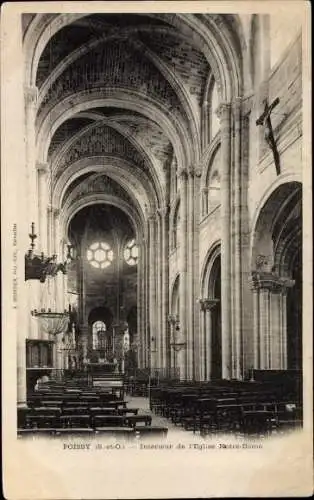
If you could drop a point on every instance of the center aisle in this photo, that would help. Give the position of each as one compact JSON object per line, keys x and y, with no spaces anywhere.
{"x":143,"y":405}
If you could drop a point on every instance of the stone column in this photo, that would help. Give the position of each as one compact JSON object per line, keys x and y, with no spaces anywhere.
{"x":237,"y":275}
{"x":141,"y":305}
{"x":171,"y":322}
{"x":202,"y":351}
{"x":256,"y":332}
{"x":31,"y":99}
{"x":208,"y":343}
{"x":225,"y":130}
{"x":283,"y":308}
{"x":189,"y":279}
{"x":147,"y":295}
{"x":152,"y":288}
{"x":159,"y":265}
{"x":207,"y":306}
{"x":264,"y":328}
{"x":34,"y":289}
{"x":205,"y":129}
{"x":183,"y":176}
{"x":193,"y":234}
{"x":42,"y":173}
{"x":270,"y":328}
{"x":204,"y":201}
{"x":165,"y":287}
{"x":33,"y":286}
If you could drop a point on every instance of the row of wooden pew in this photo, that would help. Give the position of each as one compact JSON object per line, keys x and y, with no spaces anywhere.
{"x":236,"y":407}
{"x":58,"y":410}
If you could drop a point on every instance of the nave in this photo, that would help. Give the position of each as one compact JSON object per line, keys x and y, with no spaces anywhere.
{"x":158,"y":221}
{"x":126,"y":408}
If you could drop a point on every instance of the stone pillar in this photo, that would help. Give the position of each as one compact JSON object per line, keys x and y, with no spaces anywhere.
{"x":208,"y":343}
{"x":30,"y":186}
{"x":202,"y":352}
{"x":165,"y":287}
{"x":237,"y":275}
{"x":207,"y":307}
{"x":183,"y":175}
{"x":141,"y":305}
{"x":283,"y":323}
{"x":204,"y":201}
{"x":264,"y":328}
{"x":205,"y":128}
{"x":270,"y":327}
{"x":256,"y":332}
{"x":42,"y":174}
{"x":147,"y":295}
{"x":225,"y":130}
{"x":158,"y":261}
{"x":171,"y":322}
{"x":152,"y":289}
{"x":194,"y":268}
{"x":189,"y":277}
{"x":31,"y":99}
{"x":34,"y":289}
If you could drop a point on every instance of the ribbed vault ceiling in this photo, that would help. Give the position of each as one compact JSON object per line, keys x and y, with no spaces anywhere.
{"x":130,"y":54}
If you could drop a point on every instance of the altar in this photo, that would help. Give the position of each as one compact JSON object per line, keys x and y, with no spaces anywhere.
{"x":99,"y":368}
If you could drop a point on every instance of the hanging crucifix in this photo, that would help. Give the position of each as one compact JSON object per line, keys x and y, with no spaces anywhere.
{"x":265,"y":121}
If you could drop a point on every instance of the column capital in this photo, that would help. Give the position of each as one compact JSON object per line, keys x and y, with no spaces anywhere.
{"x":31,"y":95}
{"x":270,"y":281}
{"x":223,"y":111}
{"x":183,"y":173}
{"x":194,"y":171}
{"x":151,"y":216}
{"x":163,"y":211}
{"x":208,"y":304}
{"x":54,"y":210}
{"x":42,"y":167}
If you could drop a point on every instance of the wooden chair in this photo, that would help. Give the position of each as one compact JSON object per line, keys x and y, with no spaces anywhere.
{"x":75,"y":410}
{"x":41,"y":421}
{"x":257,"y":422}
{"x":75,"y":421}
{"x":98,"y":410}
{"x":74,"y":431}
{"x":124,"y":411}
{"x":108,"y":421}
{"x":133,"y":420}
{"x":116,"y":431}
{"x":143,"y":430}
{"x":35,"y":432}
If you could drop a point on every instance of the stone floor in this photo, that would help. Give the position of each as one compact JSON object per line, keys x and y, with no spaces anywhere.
{"x":143,"y":405}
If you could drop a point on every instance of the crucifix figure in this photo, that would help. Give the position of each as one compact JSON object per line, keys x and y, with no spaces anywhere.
{"x":265,"y":121}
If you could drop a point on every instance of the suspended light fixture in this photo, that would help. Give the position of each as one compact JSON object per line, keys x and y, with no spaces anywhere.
{"x":38,"y":267}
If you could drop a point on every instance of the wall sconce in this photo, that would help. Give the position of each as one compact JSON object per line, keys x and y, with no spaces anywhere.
{"x":38,"y":267}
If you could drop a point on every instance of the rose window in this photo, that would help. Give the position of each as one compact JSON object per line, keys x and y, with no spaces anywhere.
{"x":100,"y":255}
{"x":131,"y":253}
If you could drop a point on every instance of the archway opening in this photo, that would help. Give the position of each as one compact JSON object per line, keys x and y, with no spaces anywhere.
{"x":277,"y":278}
{"x":100,"y":339}
{"x":215,"y":347}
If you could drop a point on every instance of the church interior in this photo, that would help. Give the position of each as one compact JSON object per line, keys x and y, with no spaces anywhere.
{"x":157,"y":278}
